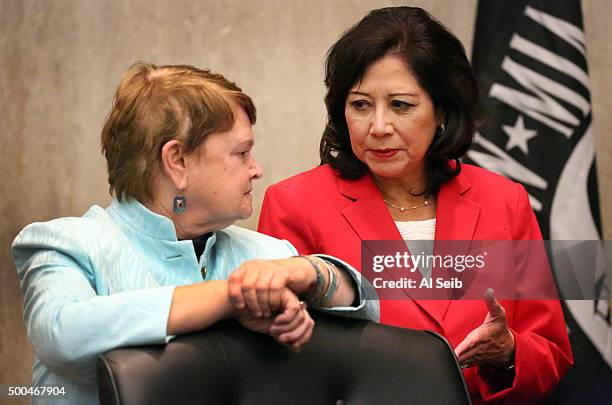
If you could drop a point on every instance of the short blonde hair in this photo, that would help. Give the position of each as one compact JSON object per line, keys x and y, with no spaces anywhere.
{"x":156,"y":104}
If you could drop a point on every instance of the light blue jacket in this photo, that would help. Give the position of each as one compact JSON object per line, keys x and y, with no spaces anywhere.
{"x":106,"y":280}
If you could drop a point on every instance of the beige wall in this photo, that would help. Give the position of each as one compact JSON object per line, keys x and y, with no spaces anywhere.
{"x":61,"y":60}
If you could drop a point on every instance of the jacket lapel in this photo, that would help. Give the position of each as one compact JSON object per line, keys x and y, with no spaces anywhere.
{"x":369,"y":218}
{"x":457,"y":217}
{"x":368,"y":215}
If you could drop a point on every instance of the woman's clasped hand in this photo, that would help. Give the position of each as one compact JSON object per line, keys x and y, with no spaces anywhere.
{"x":261,"y":292}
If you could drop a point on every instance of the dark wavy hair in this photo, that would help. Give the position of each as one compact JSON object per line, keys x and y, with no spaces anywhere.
{"x":434,"y":55}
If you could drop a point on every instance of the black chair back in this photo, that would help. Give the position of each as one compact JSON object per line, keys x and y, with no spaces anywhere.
{"x":347,"y":361}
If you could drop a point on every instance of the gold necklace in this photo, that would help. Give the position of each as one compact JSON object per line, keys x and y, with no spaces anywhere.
{"x":402,"y":209}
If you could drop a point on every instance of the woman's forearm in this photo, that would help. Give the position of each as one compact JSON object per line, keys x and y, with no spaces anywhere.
{"x":198,"y":306}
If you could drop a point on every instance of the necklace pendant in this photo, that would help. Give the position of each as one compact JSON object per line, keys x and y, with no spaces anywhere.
{"x":402,"y":209}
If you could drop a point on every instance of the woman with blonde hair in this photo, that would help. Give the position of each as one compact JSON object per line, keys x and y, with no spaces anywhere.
{"x":155,"y":263}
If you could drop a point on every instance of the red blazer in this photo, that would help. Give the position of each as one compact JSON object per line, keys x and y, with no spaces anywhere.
{"x":319,"y":212}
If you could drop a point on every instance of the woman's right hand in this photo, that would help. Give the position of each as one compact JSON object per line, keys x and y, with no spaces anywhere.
{"x":492,"y":342}
{"x":291,"y":326}
{"x":258,"y":285}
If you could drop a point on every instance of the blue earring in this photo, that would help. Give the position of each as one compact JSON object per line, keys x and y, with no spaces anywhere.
{"x":179,"y":204}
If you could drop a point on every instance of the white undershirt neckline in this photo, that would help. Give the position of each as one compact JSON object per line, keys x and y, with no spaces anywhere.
{"x":416,"y":234}
{"x":417,"y":230}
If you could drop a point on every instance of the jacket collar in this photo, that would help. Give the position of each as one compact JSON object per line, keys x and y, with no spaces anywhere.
{"x":456,"y":215}
{"x":133,"y":213}
{"x":368,"y":215}
{"x":147,"y":222}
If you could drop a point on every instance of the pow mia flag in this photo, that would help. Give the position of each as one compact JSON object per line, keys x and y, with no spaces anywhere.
{"x":530,"y":60}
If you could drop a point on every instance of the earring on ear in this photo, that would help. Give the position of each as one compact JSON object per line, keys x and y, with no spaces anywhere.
{"x":441,"y":129}
{"x":179,"y":203}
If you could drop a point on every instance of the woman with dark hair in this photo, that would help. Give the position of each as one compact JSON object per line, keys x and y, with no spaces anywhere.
{"x":402,"y":110}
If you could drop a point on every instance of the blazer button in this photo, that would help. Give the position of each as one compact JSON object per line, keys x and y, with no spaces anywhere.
{"x":203,"y":272}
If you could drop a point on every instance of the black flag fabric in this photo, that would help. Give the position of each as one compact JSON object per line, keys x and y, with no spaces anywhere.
{"x":530,"y":60}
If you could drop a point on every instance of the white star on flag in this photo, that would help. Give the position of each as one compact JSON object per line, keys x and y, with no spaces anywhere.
{"x":518,"y":135}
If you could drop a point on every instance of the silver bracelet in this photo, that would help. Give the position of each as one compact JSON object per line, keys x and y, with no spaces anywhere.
{"x":334,"y":283}
{"x":316,"y":296}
